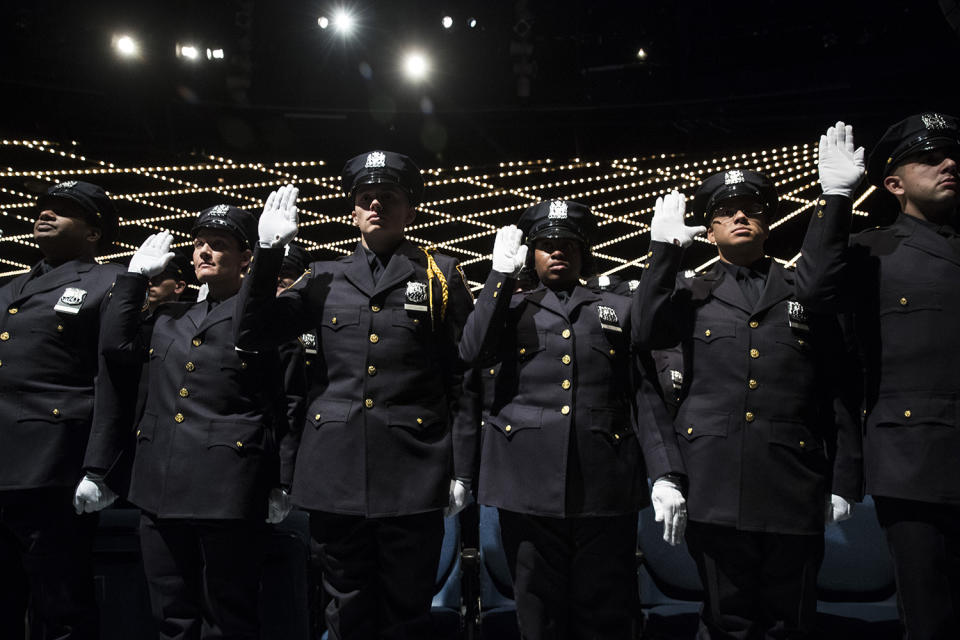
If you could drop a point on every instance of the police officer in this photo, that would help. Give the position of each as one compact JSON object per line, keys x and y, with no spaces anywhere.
{"x":206,"y":455}
{"x":49,"y":326}
{"x":902,"y":282}
{"x":562,"y":455}
{"x":374,"y":464}
{"x":171,"y":283}
{"x":756,"y":425}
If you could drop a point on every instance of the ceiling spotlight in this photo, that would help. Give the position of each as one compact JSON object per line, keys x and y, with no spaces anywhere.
{"x":416,"y":66}
{"x":641,"y":54}
{"x":343,"y":21}
{"x":472,"y":22}
{"x":447,"y":22}
{"x":188,"y":51}
{"x":126,"y":46}
{"x":323,"y":22}
{"x":214,"y":54}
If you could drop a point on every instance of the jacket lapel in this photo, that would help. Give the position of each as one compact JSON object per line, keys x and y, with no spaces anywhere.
{"x":927,"y":240}
{"x":357,"y":271}
{"x":221,"y":312}
{"x":59,"y":277}
{"x":779,"y":287}
{"x":726,"y":289}
{"x":399,"y":269}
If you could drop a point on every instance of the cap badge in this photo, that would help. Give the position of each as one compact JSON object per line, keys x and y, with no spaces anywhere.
{"x":934,"y":121}
{"x":71,"y":300}
{"x":558,"y":210}
{"x":220,"y":210}
{"x":633,"y":284}
{"x":608,"y":318}
{"x":376,"y":159}
{"x":69,"y":184}
{"x":416,"y":296}
{"x":733,"y":177}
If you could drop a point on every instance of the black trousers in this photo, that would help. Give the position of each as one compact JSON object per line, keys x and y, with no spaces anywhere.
{"x":203,"y":576}
{"x":924,"y":541}
{"x":46,"y":567}
{"x":573,"y":577}
{"x":379,"y":574}
{"x":756,"y":585}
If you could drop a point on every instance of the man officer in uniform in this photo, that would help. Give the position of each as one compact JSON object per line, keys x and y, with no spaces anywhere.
{"x":566,"y":447}
{"x":757,"y":425}
{"x":902,"y":282}
{"x":49,"y":327}
{"x":171,"y":284}
{"x":374,"y":464}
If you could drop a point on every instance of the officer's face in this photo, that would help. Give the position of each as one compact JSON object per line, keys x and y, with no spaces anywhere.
{"x":63,"y":223}
{"x":382,"y":211}
{"x":558,"y":261}
{"x":928,"y":179}
{"x":218,"y":258}
{"x":165,"y":287}
{"x":738,"y":222}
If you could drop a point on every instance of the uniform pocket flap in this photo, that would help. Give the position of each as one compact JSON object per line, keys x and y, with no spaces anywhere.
{"x":795,"y":435}
{"x":55,"y":407}
{"x":529,"y":343}
{"x":148,"y":423}
{"x":159,"y":346}
{"x":706,"y":423}
{"x":611,"y":422}
{"x":907,"y":301}
{"x":708,"y":332}
{"x":914,"y":410}
{"x":513,"y":419}
{"x":411,"y":320}
{"x":413,"y":417}
{"x":239,"y":435}
{"x":337,"y":318}
{"x":233,"y":360}
{"x":323,"y":411}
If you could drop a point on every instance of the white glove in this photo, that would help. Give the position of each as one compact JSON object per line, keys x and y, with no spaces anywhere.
{"x":667,"y":224}
{"x":278,"y":222}
{"x":509,"y":254}
{"x":670,"y":508}
{"x":153,"y":255}
{"x":459,"y":497}
{"x":278,"y":505}
{"x":841,"y":168}
{"x":92,"y":495}
{"x":838,"y":509}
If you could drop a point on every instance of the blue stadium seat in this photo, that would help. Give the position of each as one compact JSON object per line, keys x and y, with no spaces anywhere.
{"x":498,"y":611}
{"x":446,"y":602}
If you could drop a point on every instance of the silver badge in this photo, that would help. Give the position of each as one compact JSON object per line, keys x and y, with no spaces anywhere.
{"x":309,"y":342}
{"x":796,"y":315}
{"x":934,"y":121}
{"x":416,"y":296}
{"x":603,"y":281}
{"x":69,"y":184}
{"x":608,"y":318}
{"x":734,"y":176}
{"x":376,"y":159}
{"x":71,"y":300}
{"x":676,"y":377}
{"x":689,"y":273}
{"x":219,"y":210}
{"x":632,"y":285}
{"x":558,"y":210}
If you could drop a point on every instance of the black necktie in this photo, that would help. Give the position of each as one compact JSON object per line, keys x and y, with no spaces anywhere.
{"x":751,"y":284}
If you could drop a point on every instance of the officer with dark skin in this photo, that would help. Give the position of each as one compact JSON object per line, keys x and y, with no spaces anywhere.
{"x":566,"y":446}
{"x":206,"y":461}
{"x":374,"y":466}
{"x":902,"y":284}
{"x":761,"y":424}
{"x":49,"y":326}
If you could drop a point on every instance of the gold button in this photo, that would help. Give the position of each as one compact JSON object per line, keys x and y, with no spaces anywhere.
{"x":707,"y":333}
{"x":419,"y":420}
{"x":565,"y":409}
{"x":752,"y":384}
{"x":197,"y":342}
{"x":56,"y":412}
{"x":616,"y":436}
{"x":189,"y":366}
{"x":907,"y":414}
{"x":495,"y":293}
{"x":239,"y":444}
{"x":613,"y":352}
{"x":823,"y":203}
{"x":4,"y":336}
{"x":374,"y":338}
{"x":183,"y":392}
{"x":333,"y":320}
{"x":243,"y":364}
{"x":903,"y":302}
{"x":689,"y":430}
{"x":316,"y":417}
{"x":308,"y":363}
{"x":523,"y":350}
{"x":819,"y":214}
{"x":1,"y":363}
{"x":565,"y":359}
{"x":371,"y":370}
{"x":178,"y":417}
{"x":416,"y":321}
{"x":13,"y":310}
{"x":59,"y":327}
{"x":368,"y":403}
{"x":754,"y":353}
{"x":493,"y":371}
{"x":800,"y":341}
{"x":565,"y":333}
{"x":748,"y":416}
{"x":802,"y":444}
{"x":508,"y":428}
{"x":151,"y":350}
{"x":499,"y":284}
{"x":138,"y":433}
{"x":754,"y":324}
{"x":375,"y":309}
{"x":565,"y":384}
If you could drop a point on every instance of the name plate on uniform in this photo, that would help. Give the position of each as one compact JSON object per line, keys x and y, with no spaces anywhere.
{"x":608,"y":318}
{"x":416,"y":296}
{"x":70,"y":301}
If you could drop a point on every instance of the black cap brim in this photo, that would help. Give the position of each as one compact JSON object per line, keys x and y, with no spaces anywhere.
{"x":556,"y":232}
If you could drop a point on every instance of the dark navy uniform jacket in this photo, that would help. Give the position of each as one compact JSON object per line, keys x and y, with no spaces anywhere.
{"x":48,"y":363}
{"x":377,"y":438}
{"x":560,"y":434}
{"x":206,"y":446}
{"x":758,"y":423}
{"x":903,"y":284}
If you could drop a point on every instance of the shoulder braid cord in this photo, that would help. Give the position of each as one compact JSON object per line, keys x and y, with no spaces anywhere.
{"x":434,"y":271}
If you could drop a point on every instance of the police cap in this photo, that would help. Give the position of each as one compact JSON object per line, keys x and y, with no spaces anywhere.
{"x":295,"y":261}
{"x":179,"y":267}
{"x":97,"y":207}
{"x":731,"y":184}
{"x":920,"y":132}
{"x":228,"y":218}
{"x":383,"y":167}
{"x":558,"y":219}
